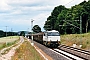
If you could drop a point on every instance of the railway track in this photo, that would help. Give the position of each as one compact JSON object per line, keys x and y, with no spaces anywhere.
{"x":72,"y":53}
{"x":64,"y":52}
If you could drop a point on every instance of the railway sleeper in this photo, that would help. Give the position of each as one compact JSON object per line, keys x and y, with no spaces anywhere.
{"x":79,"y":54}
{"x":78,"y":50}
{"x":69,"y":47}
{"x":75,"y":49}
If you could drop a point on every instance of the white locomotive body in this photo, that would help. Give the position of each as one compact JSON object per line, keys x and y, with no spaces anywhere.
{"x":48,"y":38}
{"x":51,"y":38}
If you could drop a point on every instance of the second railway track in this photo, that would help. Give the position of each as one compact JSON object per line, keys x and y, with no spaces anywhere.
{"x":67,"y":55}
{"x":65,"y":52}
{"x":73,"y":53}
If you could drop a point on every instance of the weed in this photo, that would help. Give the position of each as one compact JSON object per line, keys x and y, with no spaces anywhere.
{"x":84,"y":46}
{"x":26,"y":52}
{"x":70,"y":39}
{"x":7,"y":41}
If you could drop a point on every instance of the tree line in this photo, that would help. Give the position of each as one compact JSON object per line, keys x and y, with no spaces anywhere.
{"x":67,"y":20}
{"x":36,"y":29}
{"x":4,"y":34}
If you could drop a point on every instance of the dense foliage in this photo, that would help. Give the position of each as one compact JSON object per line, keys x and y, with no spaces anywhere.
{"x":67,"y":20}
{"x":2,"y":34}
{"x":36,"y":29}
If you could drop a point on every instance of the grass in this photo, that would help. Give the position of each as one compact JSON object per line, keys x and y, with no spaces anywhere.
{"x":8,"y":41}
{"x":26,"y":52}
{"x":83,"y":39}
{"x":11,"y":44}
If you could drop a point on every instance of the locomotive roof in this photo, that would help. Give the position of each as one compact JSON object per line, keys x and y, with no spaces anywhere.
{"x":52,"y":31}
{"x":41,"y":33}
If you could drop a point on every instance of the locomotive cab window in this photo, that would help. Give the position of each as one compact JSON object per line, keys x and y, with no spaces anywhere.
{"x":53,"y":34}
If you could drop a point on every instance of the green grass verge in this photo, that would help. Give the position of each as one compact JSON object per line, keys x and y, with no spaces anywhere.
{"x":8,"y":39}
{"x":83,"y":39}
{"x":26,"y":52}
{"x":4,"y":43}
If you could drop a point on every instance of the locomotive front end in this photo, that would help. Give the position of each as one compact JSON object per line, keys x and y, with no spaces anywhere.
{"x":52,"y":38}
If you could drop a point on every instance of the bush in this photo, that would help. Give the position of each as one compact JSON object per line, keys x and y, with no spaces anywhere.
{"x":84,"y":46}
{"x":2,"y":45}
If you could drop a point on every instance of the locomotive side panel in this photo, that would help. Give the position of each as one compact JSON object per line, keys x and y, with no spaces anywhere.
{"x":38,"y":37}
{"x":48,"y":38}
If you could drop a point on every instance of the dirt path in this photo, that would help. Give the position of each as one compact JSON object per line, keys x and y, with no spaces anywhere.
{"x":12,"y":51}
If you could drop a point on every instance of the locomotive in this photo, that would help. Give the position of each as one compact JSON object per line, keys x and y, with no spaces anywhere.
{"x":48,"y":38}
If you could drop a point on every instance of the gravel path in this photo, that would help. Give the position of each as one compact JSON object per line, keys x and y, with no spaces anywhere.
{"x":11,"y":52}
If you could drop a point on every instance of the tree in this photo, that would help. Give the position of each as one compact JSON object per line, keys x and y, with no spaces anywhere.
{"x":22,"y":33}
{"x":86,"y":15}
{"x":2,"y":34}
{"x":60,"y":21}
{"x":51,"y":20}
{"x":36,"y":29}
{"x":71,"y":17}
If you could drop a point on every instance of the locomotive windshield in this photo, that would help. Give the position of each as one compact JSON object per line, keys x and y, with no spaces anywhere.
{"x":53,"y":34}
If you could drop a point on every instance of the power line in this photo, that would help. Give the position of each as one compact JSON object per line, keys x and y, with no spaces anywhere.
{"x":69,"y":2}
{"x":72,"y":24}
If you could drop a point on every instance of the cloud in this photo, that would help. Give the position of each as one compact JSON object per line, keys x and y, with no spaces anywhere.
{"x":17,"y":12}
{"x":24,"y":2}
{"x":20,"y":12}
{"x":40,"y":19}
{"x":20,"y":22}
{"x":38,"y":8}
{"x":4,"y":6}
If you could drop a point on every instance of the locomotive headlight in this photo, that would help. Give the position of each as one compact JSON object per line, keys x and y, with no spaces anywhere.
{"x":49,"y":42}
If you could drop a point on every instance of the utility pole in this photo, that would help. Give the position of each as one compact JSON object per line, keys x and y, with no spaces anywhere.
{"x":80,"y":24}
{"x":6,"y":31}
{"x":32,"y":32}
{"x":80,"y":30}
{"x":12,"y":31}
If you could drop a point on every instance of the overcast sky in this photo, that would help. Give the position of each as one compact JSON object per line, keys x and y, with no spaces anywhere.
{"x":17,"y":14}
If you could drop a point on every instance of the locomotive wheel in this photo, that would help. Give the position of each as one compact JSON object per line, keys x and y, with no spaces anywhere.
{"x":45,"y":43}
